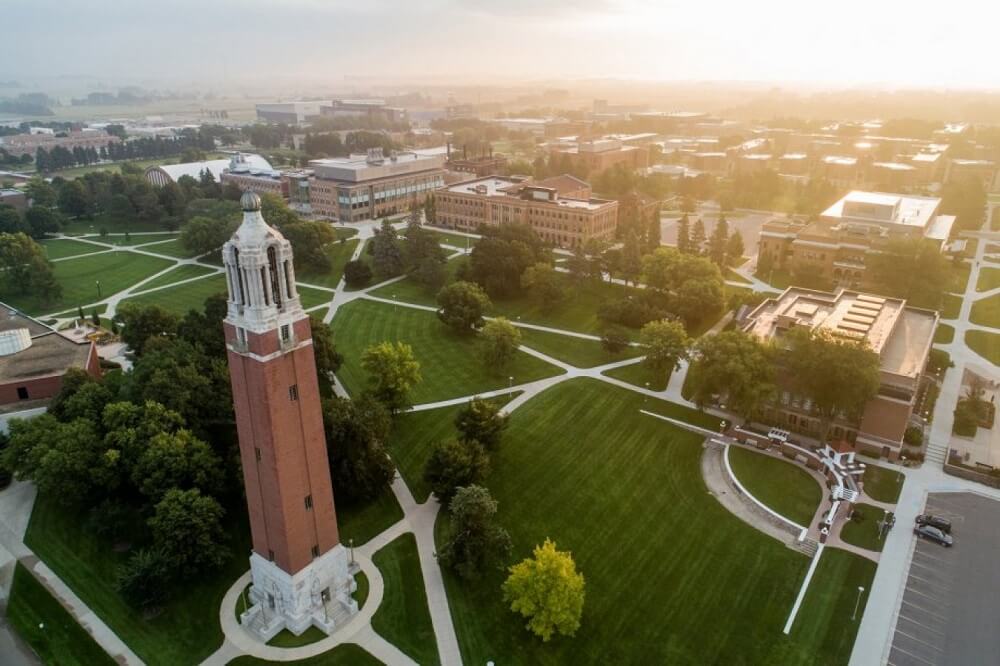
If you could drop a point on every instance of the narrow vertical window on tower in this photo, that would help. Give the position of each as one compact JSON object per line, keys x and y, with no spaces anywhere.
{"x":263,"y":285}
{"x":293,"y":392}
{"x":238,"y":279}
{"x":272,"y":268}
{"x":286,"y":333}
{"x":288,"y":280}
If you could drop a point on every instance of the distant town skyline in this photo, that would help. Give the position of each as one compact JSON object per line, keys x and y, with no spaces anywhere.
{"x":893,"y":43}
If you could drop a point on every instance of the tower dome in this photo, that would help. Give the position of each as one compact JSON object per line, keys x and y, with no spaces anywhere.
{"x":250,"y":201}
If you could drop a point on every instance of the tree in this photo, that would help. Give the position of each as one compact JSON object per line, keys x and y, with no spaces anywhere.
{"x":392,"y":373}
{"x":144,"y":580}
{"x":734,"y":365}
{"x":40,"y":192}
{"x":187,"y":528}
{"x":24,"y":268}
{"x":420,"y":244}
{"x":697,"y":298}
{"x":481,"y":421}
{"x":910,"y":268}
{"x":309,"y":240}
{"x":177,"y":460}
{"x":475,"y":542}
{"x":454,"y":464}
{"x":653,"y":230}
{"x":734,"y":248}
{"x":276,"y":212}
{"x":430,"y":273}
{"x":500,"y":258}
{"x":42,"y":221}
{"x":500,"y":340}
{"x":142,"y":322}
{"x":120,"y":212}
{"x":698,"y":237}
{"x":356,"y":434}
{"x":548,"y":591}
{"x":11,"y":221}
{"x":614,"y":340}
{"x":202,"y":235}
{"x":461,"y":305}
{"x":837,"y":376}
{"x":631,"y":258}
{"x":74,"y":199}
{"x":717,"y":243}
{"x":543,"y":281}
{"x":328,"y":360}
{"x":95,"y":318}
{"x":430,"y":209}
{"x":357,"y":273}
{"x":666,"y":344}
{"x":684,"y":235}
{"x":387,"y":259}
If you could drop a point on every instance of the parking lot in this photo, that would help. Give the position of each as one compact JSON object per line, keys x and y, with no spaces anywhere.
{"x":952,"y":596}
{"x":749,"y":225}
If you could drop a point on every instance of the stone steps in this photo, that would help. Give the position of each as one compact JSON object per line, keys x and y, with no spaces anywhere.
{"x":936,"y":453}
{"x":807,"y":546}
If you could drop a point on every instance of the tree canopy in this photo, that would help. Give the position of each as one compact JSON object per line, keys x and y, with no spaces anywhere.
{"x":548,"y":591}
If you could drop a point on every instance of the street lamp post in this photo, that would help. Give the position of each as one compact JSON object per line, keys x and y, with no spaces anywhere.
{"x":98,"y":283}
{"x":510,"y":384}
{"x":645,"y":398}
{"x":350,"y":542}
{"x":394,"y":303}
{"x":857,"y":603}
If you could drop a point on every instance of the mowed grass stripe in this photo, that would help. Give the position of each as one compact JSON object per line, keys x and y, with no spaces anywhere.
{"x":579,"y":352}
{"x":60,"y":248}
{"x":339,"y":254}
{"x":172,"y":248}
{"x":183,"y":297}
{"x":183,"y":272}
{"x":782,"y":486}
{"x":671,"y":576}
{"x":451,"y":365}
{"x":403,"y":617}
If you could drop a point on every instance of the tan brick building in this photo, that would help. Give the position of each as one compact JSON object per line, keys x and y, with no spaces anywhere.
{"x":28,"y":144}
{"x":595,"y":156}
{"x":837,"y":244}
{"x":901,"y":336}
{"x":561,"y":220}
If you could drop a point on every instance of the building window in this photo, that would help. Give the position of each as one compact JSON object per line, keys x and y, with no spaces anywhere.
{"x":286,"y":333}
{"x":256,"y":452}
{"x":22,"y":392}
{"x":309,"y":502}
{"x":270,"y":555}
{"x":241,"y":336}
{"x":315,"y":551}
{"x":293,"y":392}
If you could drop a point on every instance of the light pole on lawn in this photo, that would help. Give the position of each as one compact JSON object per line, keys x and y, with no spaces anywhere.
{"x":645,"y":398}
{"x":510,"y":384}
{"x":394,"y":303}
{"x":857,"y":603}
{"x":98,"y":283}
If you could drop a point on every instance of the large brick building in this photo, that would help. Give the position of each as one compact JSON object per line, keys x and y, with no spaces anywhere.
{"x":299,"y":569}
{"x":28,"y":144}
{"x":594,"y":156}
{"x":836,"y":245}
{"x":35,"y":357}
{"x":563,"y":220}
{"x":367,"y":187}
{"x":901,"y":336}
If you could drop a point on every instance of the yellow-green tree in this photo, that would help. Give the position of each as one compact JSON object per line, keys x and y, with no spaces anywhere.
{"x":547,"y":590}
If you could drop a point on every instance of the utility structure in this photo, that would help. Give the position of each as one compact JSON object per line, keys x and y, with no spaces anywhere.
{"x":299,"y":568}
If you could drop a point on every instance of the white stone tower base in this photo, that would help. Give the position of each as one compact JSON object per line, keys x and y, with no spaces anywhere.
{"x":318,"y":595}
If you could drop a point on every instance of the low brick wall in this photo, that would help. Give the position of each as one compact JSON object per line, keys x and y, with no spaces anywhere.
{"x":972,"y":475}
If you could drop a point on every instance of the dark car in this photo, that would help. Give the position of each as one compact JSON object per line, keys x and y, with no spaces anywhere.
{"x":934,"y":534}
{"x":942,"y":524}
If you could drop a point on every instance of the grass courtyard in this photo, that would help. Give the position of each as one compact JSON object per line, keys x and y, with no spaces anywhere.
{"x":665,"y":564}
{"x":184,"y":297}
{"x":581,"y":352}
{"x":986,"y":312}
{"x":944,"y":334}
{"x":403,"y":618}
{"x":985,"y":344}
{"x":863,"y":531}
{"x":989,"y":278}
{"x":339,"y":254}
{"x":783,"y":486}
{"x":641,"y":375}
{"x":450,"y":364}
{"x":882,"y":484}
{"x":60,"y":248}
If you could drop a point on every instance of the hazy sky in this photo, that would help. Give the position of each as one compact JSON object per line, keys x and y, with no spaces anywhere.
{"x":840,"y":42}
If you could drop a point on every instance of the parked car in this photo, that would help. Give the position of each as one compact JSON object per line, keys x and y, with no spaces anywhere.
{"x":942,"y":524}
{"x":934,"y":534}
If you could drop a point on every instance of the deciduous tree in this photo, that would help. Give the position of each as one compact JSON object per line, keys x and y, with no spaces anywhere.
{"x":735,"y":366}
{"x":461,"y":306}
{"x":475,"y":542}
{"x":187,"y":527}
{"x":454,"y":464}
{"x":500,"y":340}
{"x":548,"y":591}
{"x":392,"y":373}
{"x":481,"y":421}
{"x":666,"y":344}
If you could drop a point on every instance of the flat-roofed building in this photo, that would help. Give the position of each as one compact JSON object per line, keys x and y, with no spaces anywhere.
{"x":793,"y":164}
{"x":162,"y":174}
{"x":248,"y":177}
{"x":14,"y":198}
{"x":837,"y":244}
{"x":373,"y":185}
{"x":893,"y":175}
{"x":840,"y":170}
{"x":713,"y":162}
{"x":494,"y":201}
{"x":293,"y":112}
{"x":900,"y":335}
{"x":29,"y":144}
{"x":594,"y":156}
{"x":374,"y":109}
{"x":929,"y":166}
{"x":985,"y":171}
{"x":751,"y":163}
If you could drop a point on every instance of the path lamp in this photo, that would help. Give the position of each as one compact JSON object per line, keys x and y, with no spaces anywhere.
{"x":857,"y":603}
{"x":350,"y":542}
{"x":645,"y":398}
{"x":394,"y":303}
{"x":98,"y":283}
{"x":510,"y":384}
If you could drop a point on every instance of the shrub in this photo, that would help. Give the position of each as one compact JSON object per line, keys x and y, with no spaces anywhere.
{"x":144,"y":579}
{"x":357,"y":273}
{"x":914,"y":436}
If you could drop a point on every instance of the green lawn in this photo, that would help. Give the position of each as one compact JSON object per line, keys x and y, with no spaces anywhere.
{"x":184,"y":297}
{"x":361,"y":522}
{"x":183,"y":272}
{"x":864,"y":533}
{"x":59,"y":248}
{"x":671,"y":576}
{"x":171,"y":248}
{"x":882,"y":484}
{"x":47,"y":627}
{"x":951,"y":306}
{"x":286,"y":639}
{"x":641,"y":375}
{"x":137,"y":239}
{"x":989,"y":278}
{"x":78,"y":277}
{"x":403,"y":618}
{"x":361,"y":593}
{"x":730,"y":274}
{"x":409,"y":290}
{"x":985,"y":344}
{"x":450,"y":364}
{"x":959,"y":276}
{"x":580,"y":352}
{"x":781,"y":485}
{"x":455,"y":240}
{"x":413,"y":437}
{"x":185,"y":631}
{"x":340,"y":254}
{"x":944,"y":334}
{"x":986,"y":312}
{"x":347,"y":654}
{"x":310,"y":298}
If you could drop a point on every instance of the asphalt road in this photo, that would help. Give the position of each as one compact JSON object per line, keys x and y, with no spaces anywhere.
{"x":952,"y":597}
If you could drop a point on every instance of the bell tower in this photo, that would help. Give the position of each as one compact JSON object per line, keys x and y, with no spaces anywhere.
{"x":298,"y":566}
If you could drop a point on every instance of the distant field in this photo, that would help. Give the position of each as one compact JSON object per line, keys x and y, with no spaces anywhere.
{"x":60,"y":248}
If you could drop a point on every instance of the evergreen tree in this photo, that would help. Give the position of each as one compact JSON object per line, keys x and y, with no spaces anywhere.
{"x":684,"y":235}
{"x":717,"y":243}
{"x":734,"y":247}
{"x":697,"y":237}
{"x":387,"y":258}
{"x":653,"y":232}
{"x":631,"y":258}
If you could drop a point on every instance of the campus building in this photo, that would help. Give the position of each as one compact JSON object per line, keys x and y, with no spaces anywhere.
{"x":249,"y":178}
{"x":28,"y":144}
{"x":370,"y":186}
{"x":985,"y":171}
{"x":900,"y":335}
{"x":162,"y":174}
{"x":291,"y":113}
{"x":594,"y":156}
{"x":300,"y":572}
{"x":836,"y":245}
{"x":372,"y":109}
{"x":562,"y":220}
{"x":35,"y":357}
